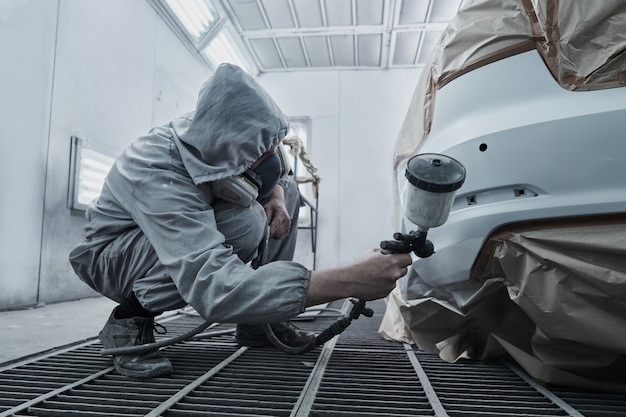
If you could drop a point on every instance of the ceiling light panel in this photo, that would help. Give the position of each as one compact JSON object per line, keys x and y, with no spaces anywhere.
{"x":291,"y":47}
{"x":369,"y":12}
{"x":196,"y":16}
{"x":248,"y":14}
{"x":308,"y":13}
{"x":413,"y":11}
{"x":407,"y":45}
{"x":369,"y":47}
{"x":317,"y":51}
{"x":335,"y":34}
{"x":339,"y":12}
{"x":266,"y":53}
{"x":278,"y":14}
{"x":343,"y":50}
{"x":222,"y":49}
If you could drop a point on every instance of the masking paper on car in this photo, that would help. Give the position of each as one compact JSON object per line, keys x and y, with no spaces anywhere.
{"x":551,"y":294}
{"x":554,"y":297}
{"x":583,"y":44}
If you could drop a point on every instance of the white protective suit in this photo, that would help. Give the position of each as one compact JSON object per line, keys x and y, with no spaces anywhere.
{"x":157,"y":231}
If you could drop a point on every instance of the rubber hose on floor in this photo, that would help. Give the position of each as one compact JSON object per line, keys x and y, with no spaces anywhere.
{"x":333,"y":330}
{"x":129,"y":350}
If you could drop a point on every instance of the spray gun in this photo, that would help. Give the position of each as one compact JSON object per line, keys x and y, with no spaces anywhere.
{"x":433,"y":181}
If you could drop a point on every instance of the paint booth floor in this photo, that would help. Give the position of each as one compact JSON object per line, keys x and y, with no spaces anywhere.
{"x":29,"y":331}
{"x":356,"y":374}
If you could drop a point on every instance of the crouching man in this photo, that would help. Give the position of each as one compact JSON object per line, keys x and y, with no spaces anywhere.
{"x":180,"y":220}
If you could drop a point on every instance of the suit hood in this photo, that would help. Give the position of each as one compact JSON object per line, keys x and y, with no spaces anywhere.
{"x":234,"y":123}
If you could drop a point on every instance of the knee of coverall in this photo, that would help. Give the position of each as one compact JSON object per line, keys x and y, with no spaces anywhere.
{"x":243,"y":227}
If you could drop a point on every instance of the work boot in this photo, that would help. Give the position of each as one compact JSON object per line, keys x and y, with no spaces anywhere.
{"x":254,"y":334}
{"x":134,"y":331}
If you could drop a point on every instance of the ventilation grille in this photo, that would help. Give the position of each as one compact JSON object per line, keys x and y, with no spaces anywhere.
{"x":356,"y":374}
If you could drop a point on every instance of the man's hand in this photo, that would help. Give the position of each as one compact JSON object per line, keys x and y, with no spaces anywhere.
{"x":371,"y":276}
{"x":277,"y":214}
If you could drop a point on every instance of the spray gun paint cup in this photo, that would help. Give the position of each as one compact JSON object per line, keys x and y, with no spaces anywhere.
{"x":432,"y":182}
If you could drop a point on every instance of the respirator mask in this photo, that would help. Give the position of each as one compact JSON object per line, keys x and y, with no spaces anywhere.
{"x":253,"y":184}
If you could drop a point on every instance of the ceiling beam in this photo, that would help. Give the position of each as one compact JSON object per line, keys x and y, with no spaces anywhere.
{"x":329,"y":31}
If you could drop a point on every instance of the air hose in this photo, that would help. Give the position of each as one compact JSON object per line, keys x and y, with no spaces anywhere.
{"x":147,"y":347}
{"x":333,"y":330}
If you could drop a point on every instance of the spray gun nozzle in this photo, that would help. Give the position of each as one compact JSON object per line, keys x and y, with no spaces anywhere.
{"x":414,"y":241}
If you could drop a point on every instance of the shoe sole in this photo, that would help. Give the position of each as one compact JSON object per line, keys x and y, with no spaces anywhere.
{"x":164,"y":371}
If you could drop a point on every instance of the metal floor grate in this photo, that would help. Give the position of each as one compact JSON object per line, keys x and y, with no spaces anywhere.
{"x":356,"y":374}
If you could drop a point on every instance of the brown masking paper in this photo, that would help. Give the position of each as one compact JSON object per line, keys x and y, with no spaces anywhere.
{"x":552,"y":295}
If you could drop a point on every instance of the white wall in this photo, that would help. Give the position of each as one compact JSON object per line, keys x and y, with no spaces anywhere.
{"x":105,"y":70}
{"x":356,"y":116}
{"x":26,"y":84}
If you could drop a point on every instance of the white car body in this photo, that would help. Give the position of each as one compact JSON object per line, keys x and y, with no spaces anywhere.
{"x":531,"y":149}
